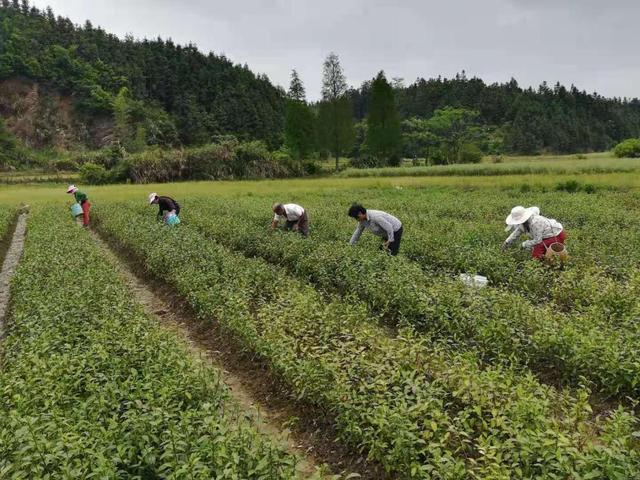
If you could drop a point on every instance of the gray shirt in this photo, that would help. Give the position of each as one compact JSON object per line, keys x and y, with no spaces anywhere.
{"x":380,"y":223}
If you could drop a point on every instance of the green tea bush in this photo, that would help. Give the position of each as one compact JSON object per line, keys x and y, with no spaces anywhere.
{"x":93,"y":388}
{"x":573,"y":345}
{"x":421,"y":408}
{"x":570,"y":186}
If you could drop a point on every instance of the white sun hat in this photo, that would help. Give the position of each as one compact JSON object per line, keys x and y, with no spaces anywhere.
{"x":152,"y":197}
{"x":519,"y":215}
{"x":72,"y":189}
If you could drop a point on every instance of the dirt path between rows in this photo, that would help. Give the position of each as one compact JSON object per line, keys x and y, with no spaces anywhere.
{"x":9,"y":265}
{"x":249,"y":385}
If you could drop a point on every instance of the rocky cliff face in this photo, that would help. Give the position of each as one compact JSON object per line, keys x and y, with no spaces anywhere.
{"x":41,"y":117}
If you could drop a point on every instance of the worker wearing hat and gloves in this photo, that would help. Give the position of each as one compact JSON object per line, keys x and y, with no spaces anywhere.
{"x":543,"y":231}
{"x":294,"y":216}
{"x":167,"y":206}
{"x":83,"y":200}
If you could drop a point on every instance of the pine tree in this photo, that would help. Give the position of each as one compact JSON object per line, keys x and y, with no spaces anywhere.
{"x":383,"y":122}
{"x":335,"y":121}
{"x":299,"y":129}
{"x":300,"y":121}
{"x":334,"y":83}
{"x":336,"y":129}
{"x":296,"y":88}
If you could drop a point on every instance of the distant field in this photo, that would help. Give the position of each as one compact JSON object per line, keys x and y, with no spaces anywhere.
{"x":37,"y":177}
{"x":592,"y":164}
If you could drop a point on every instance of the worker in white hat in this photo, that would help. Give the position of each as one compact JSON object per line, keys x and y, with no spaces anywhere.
{"x":543,"y":231}
{"x":167,"y":206}
{"x":83,"y":200}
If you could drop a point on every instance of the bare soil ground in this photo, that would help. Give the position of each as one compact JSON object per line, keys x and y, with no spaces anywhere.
{"x":9,"y":265}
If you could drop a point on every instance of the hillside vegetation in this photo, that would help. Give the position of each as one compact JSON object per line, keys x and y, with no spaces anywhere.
{"x":70,"y":88}
{"x":187,"y":96}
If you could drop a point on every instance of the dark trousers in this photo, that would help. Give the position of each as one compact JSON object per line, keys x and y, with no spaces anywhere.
{"x":395,"y":245}
{"x":303,"y":225}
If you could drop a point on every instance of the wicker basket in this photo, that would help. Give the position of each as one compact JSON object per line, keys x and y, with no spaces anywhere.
{"x":556,"y":254}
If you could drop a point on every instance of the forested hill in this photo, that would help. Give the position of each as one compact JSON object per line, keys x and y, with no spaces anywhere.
{"x":528,"y":121}
{"x":204,"y":95}
{"x":71,"y":86}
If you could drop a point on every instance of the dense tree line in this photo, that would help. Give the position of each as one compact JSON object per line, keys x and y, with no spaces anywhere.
{"x":548,"y":119}
{"x":204,"y":95}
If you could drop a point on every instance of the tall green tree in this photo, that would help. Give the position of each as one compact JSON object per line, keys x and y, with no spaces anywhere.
{"x":8,"y":144}
{"x":384,"y":139}
{"x":455,"y":128}
{"x":296,"y":88}
{"x":300,"y":121}
{"x":121,"y":118}
{"x":335,"y":119}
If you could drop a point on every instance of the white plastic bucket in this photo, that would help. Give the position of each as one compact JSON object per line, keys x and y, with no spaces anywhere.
{"x":477,"y":281}
{"x":76,"y":209}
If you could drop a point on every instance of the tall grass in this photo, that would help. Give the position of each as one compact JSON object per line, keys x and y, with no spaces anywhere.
{"x":563,"y":165}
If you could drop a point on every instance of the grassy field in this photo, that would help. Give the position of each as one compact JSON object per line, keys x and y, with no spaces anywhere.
{"x":523,"y":174}
{"x":599,"y":163}
{"x":534,"y":376}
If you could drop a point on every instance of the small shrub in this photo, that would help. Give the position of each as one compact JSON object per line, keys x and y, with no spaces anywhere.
{"x":65,"y":165}
{"x":470,"y":153}
{"x":570,"y":186}
{"x":120,"y":173}
{"x":629,"y":148}
{"x":108,"y":157}
{"x":292,"y":166}
{"x":394,"y":160}
{"x":93,"y":174}
{"x":364,"y":161}
{"x":311,"y":168}
{"x":436,"y":156}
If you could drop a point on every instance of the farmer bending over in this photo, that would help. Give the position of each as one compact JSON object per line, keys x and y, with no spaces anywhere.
{"x":83,"y":200}
{"x":380,"y":223}
{"x":295,"y":218}
{"x":167,"y":206}
{"x":543,"y":231}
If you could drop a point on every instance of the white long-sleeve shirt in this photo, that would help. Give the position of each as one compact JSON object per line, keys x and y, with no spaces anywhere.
{"x":292,"y":213}
{"x":539,"y":228}
{"x":380,"y":223}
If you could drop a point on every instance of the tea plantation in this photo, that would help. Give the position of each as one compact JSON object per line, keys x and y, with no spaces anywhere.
{"x":536,"y":375}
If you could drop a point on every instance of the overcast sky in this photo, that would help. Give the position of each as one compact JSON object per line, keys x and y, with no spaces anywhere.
{"x":593,"y":44}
